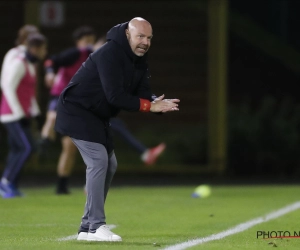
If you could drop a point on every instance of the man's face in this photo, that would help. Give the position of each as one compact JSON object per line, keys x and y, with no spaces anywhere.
{"x":139,"y":39}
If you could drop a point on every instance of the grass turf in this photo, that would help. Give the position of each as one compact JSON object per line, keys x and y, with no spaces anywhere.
{"x":148,"y":215}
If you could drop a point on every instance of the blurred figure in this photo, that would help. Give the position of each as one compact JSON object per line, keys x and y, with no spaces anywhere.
{"x":59,"y":71}
{"x":100,"y":41}
{"x":148,"y":155}
{"x":20,"y":48}
{"x":18,"y":106}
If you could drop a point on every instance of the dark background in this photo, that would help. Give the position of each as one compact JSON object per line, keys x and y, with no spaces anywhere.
{"x":263,"y":83}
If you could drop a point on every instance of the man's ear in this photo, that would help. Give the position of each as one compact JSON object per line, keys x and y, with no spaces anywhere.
{"x":127,"y":33}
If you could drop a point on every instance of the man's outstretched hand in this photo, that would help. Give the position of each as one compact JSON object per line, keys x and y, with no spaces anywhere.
{"x":164,"y":105}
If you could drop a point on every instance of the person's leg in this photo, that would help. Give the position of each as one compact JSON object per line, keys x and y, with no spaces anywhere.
{"x":118,"y":126}
{"x":28,"y":132}
{"x":13,"y":157}
{"x":97,"y":183}
{"x":20,"y":147}
{"x":112,"y":167}
{"x":148,"y":155}
{"x":13,"y":153}
{"x":85,"y":225}
{"x":96,"y":159}
{"x":65,"y":164}
{"x":21,"y":144}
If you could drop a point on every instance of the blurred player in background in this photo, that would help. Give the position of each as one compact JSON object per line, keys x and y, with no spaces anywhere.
{"x":18,"y":106}
{"x":59,"y":71}
{"x":148,"y":155}
{"x":20,"y":48}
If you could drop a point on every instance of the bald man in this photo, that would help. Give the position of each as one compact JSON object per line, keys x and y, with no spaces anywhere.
{"x":115,"y":77}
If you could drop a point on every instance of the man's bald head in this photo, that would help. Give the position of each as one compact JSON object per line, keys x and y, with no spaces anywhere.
{"x":139,"y":35}
{"x":139,"y":23}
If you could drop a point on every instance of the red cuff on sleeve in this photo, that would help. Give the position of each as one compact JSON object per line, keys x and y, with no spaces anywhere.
{"x":145,"y":105}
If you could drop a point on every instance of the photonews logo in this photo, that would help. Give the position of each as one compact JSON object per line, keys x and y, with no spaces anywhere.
{"x":277,"y":234}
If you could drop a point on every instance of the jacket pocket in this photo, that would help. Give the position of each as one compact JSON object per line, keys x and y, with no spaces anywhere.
{"x":101,"y":109}
{"x":63,"y":94}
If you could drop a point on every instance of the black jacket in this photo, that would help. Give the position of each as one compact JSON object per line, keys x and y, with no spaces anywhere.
{"x":111,"y":79}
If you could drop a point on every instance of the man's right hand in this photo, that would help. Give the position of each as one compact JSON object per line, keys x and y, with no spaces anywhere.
{"x":164,"y":105}
{"x":49,"y":79}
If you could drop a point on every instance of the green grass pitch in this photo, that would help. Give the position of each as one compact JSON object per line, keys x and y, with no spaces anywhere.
{"x":147,"y":215}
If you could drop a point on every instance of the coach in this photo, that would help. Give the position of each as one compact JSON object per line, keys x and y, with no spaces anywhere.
{"x":113,"y":78}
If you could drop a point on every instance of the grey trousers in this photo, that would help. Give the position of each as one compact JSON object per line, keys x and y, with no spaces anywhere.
{"x":100,"y":170}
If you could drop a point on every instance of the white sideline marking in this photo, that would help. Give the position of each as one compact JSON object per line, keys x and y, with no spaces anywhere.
{"x":73,"y":237}
{"x":237,"y":229}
